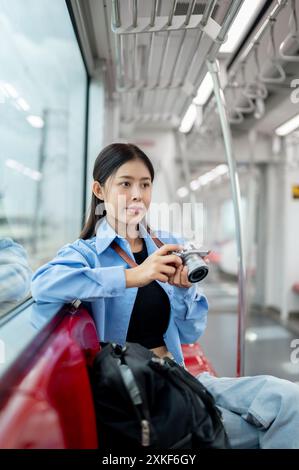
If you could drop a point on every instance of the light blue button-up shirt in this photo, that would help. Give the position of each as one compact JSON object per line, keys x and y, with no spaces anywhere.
{"x":90,"y":270}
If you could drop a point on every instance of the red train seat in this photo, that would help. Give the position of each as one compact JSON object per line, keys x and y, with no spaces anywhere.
{"x":46,"y":400}
{"x":48,"y":404}
{"x":195,"y":360}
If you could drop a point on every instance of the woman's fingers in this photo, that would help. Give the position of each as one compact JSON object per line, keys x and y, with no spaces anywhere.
{"x":165,"y":249}
{"x":162,"y":278}
{"x":184,"y":278}
{"x":169,"y":270}
{"x":172,"y":259}
{"x":177,"y":276}
{"x":180,"y":278}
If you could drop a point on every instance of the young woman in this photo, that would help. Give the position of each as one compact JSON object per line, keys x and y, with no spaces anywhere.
{"x":153,"y":303}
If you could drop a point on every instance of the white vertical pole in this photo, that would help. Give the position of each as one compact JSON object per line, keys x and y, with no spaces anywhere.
{"x":236,"y":197}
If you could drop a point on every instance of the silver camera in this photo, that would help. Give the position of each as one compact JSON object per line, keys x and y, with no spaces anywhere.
{"x":192,"y":257}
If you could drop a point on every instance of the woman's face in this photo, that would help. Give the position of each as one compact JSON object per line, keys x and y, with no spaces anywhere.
{"x":127,"y":193}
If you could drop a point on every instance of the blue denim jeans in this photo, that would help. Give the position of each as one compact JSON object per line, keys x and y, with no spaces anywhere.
{"x":258,"y":412}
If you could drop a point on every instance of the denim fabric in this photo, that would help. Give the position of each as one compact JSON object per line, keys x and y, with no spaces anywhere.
{"x":258,"y":412}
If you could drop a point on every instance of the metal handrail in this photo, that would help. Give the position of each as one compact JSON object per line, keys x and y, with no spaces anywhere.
{"x":115,"y":14}
{"x":256,"y":89}
{"x":189,"y":12}
{"x":292,"y":35}
{"x":236,"y":197}
{"x":134,"y":13}
{"x":116,"y":23}
{"x":213,"y":50}
{"x":274,"y":60}
{"x":280,"y":5}
{"x":206,"y":14}
{"x":171,"y":12}
{"x":191,"y":58}
{"x":206,"y":21}
{"x":154,"y":12}
{"x":250,"y":107}
{"x":239,"y":109}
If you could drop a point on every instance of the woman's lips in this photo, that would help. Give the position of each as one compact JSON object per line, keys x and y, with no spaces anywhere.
{"x":135,"y":208}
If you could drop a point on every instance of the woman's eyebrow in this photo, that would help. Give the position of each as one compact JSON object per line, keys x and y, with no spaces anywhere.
{"x":131,"y":177}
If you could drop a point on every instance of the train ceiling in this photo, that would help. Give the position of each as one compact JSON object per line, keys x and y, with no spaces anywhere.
{"x":154,"y":53}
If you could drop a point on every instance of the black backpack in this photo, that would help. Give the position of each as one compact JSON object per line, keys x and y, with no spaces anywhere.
{"x":142,"y":401}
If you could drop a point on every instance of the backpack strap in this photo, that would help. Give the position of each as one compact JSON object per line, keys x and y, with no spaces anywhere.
{"x":126,"y":257}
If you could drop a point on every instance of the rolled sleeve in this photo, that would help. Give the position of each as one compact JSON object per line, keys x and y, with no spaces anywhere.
{"x":113,"y":278}
{"x":190,"y":313}
{"x":68,"y":277}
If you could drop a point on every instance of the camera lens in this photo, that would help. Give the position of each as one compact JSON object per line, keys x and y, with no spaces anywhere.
{"x":197,"y":268}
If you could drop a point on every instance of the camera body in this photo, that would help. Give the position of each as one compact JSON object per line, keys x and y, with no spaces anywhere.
{"x":192,"y":257}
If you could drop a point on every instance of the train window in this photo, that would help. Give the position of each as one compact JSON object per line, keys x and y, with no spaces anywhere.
{"x":43,"y":85}
{"x":18,"y":330}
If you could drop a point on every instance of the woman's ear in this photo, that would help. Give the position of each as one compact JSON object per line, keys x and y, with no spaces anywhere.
{"x":97,"y":190}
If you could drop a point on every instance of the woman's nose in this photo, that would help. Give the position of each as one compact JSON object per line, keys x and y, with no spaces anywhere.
{"x":136,"y":193}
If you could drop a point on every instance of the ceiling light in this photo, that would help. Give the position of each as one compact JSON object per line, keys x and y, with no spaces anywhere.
{"x":204,"y":90}
{"x":183,"y":191}
{"x":211,"y":175}
{"x":241,"y":24}
{"x":251,"y":336}
{"x":288,"y":127}
{"x":3,"y":91}
{"x":23,"y":104}
{"x":220,"y":169}
{"x":10,"y":90}
{"x":206,"y":178}
{"x":20,"y":168}
{"x":35,"y":121}
{"x":194,"y":185}
{"x":188,"y":120}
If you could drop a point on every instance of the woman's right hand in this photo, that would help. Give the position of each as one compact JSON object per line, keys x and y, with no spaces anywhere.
{"x":159,"y":266}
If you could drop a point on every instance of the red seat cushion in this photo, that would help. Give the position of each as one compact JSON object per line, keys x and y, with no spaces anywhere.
{"x":195,"y":360}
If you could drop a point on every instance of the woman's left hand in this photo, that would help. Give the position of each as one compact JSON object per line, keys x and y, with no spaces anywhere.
{"x":180,"y":278}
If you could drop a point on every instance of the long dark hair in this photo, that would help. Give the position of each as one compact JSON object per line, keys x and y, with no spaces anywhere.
{"x":107,"y":163}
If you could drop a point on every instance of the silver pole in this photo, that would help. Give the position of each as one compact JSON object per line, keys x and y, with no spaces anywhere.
{"x":171,"y":12}
{"x":236,"y":197}
{"x":134,"y":13}
{"x":153,"y":13}
{"x":189,"y":12}
{"x":207,"y":12}
{"x":115,"y":14}
{"x":209,"y":8}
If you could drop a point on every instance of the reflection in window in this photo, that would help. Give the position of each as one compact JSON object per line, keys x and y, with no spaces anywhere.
{"x":15,"y":274}
{"x":42,"y":127}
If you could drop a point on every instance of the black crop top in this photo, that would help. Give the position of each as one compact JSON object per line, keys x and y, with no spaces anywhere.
{"x":151,"y":312}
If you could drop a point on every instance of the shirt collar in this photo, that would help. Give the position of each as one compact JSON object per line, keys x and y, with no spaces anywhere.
{"x":106,"y":234}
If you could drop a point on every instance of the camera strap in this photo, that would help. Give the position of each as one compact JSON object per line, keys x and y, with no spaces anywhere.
{"x":126,"y":257}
